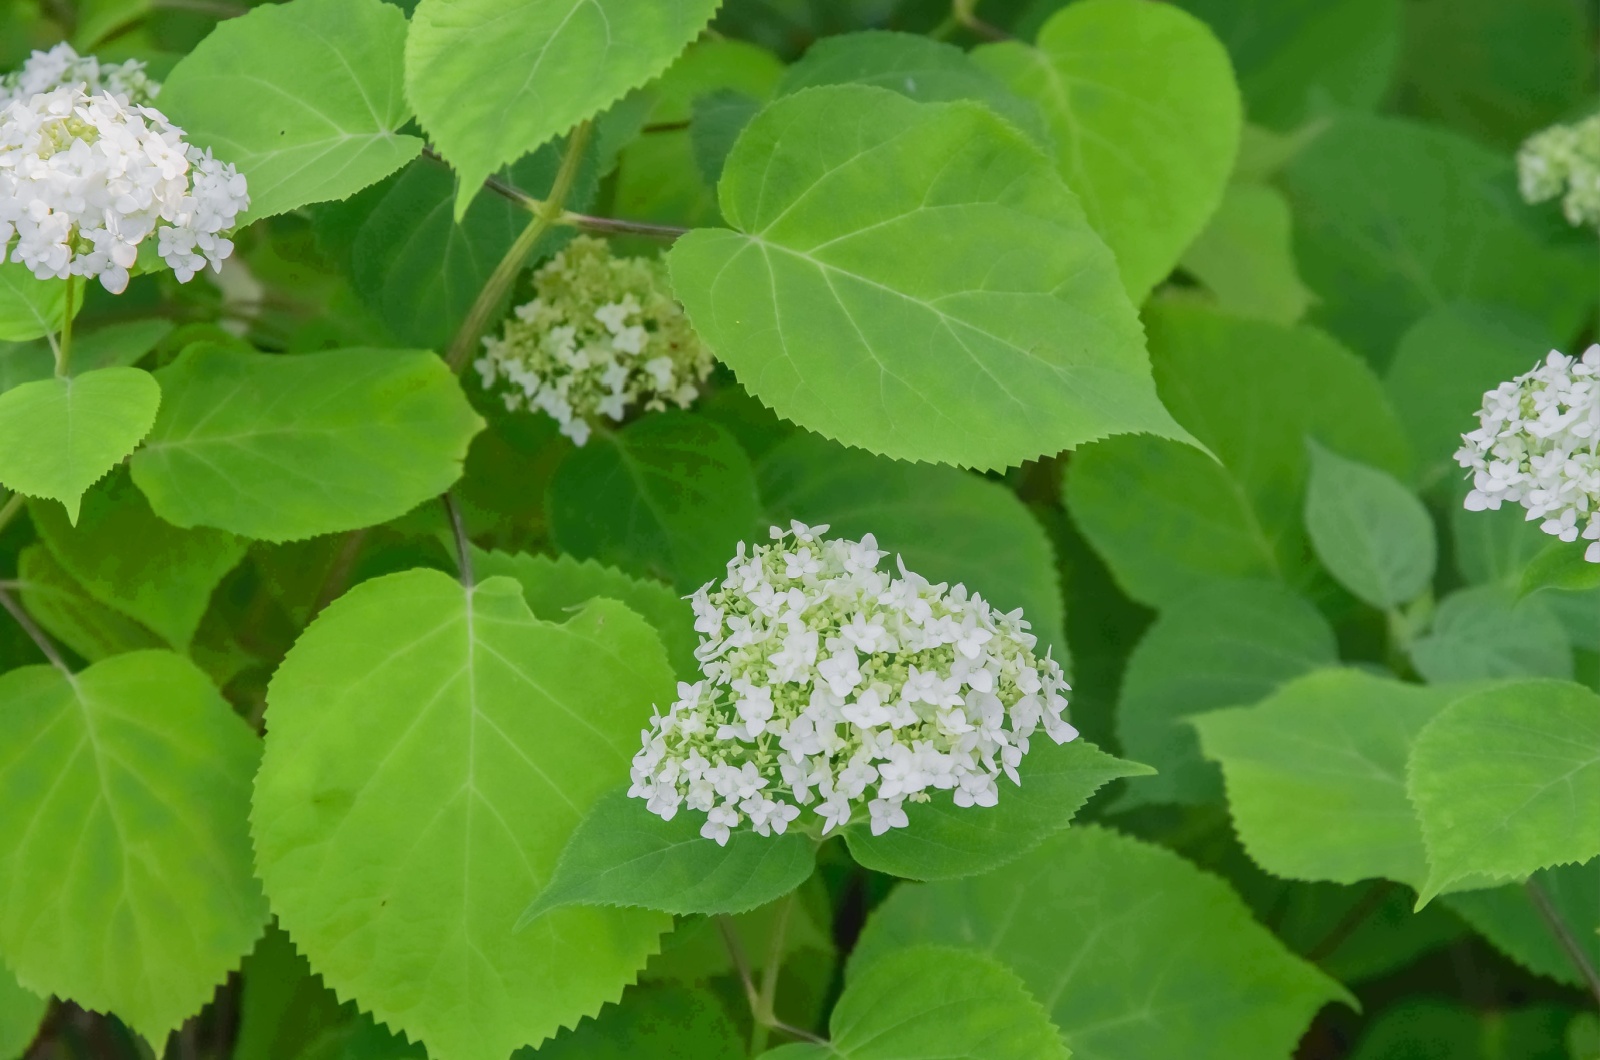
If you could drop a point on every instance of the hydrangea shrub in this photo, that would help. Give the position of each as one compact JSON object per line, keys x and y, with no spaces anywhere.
{"x":640,"y":528}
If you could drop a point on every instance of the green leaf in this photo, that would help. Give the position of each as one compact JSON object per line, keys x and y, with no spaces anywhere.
{"x":944,"y":840}
{"x":1245,"y":259}
{"x":21,"y":1012}
{"x":1013,"y":340}
{"x":1485,"y":632}
{"x":140,"y":761}
{"x":285,"y":447}
{"x":493,"y":79}
{"x":67,"y":612}
{"x":131,"y":561}
{"x":1141,"y":102}
{"x":665,"y":1022}
{"x":1560,"y":565}
{"x":1372,"y":533}
{"x":1507,"y":782}
{"x":58,"y":436}
{"x":917,"y":67}
{"x":1223,"y":646}
{"x":1316,"y":775}
{"x":1429,"y":1029}
{"x":714,"y":127}
{"x":1445,"y":363}
{"x":925,"y":1002}
{"x":431,"y":751}
{"x":557,"y":586}
{"x":949,"y":525}
{"x":304,"y":98}
{"x":1297,"y":59}
{"x":1495,"y":546}
{"x":1134,"y":951}
{"x":1395,"y":219}
{"x":1170,"y":520}
{"x":621,"y":854}
{"x":670,"y":495}
{"x":1507,"y":917}
{"x":29,"y":307}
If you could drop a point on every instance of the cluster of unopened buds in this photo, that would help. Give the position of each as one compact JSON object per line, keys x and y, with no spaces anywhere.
{"x":61,"y":66}
{"x":1564,"y":161}
{"x":831,"y":684}
{"x":87,"y":176}
{"x":602,"y":336}
{"x":1536,"y":446}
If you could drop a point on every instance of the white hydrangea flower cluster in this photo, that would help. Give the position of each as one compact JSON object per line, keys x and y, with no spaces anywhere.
{"x":829,"y":681}
{"x":604,"y":335}
{"x":84,"y":179}
{"x":61,"y":66}
{"x":1564,"y":160}
{"x":1536,"y":446}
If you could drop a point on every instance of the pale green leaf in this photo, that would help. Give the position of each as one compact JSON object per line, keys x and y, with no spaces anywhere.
{"x":285,"y":447}
{"x":123,"y":852}
{"x":1507,"y":917}
{"x":1394,"y":220}
{"x":1224,"y":646}
{"x":58,"y":436}
{"x":30,"y":307}
{"x":306,"y":99}
{"x":493,"y":79}
{"x":1495,"y":546}
{"x":21,"y":1012}
{"x":917,"y":67}
{"x":1559,"y":565}
{"x":431,"y":750}
{"x":1245,"y":258}
{"x":1507,"y":782}
{"x":1442,"y":367}
{"x":1133,"y":951}
{"x":1297,"y":59}
{"x":944,"y":840}
{"x":1141,"y":103}
{"x":650,"y":1023}
{"x":1485,"y":631}
{"x":557,"y":586}
{"x":948,"y":525}
{"x":129,"y":560}
{"x":931,"y":1003}
{"x":1169,"y":521}
{"x":1316,"y":775}
{"x":1012,"y":341}
{"x":66,"y":610}
{"x":669,"y":495}
{"x":622,"y":854}
{"x":1372,"y":533}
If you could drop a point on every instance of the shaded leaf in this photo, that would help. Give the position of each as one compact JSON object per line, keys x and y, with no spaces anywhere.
{"x":1372,"y":533}
{"x":1485,"y":631}
{"x":1507,"y":917}
{"x":66,"y":611}
{"x":665,"y":1022}
{"x":1244,"y":256}
{"x":29,"y":307}
{"x":1559,"y":565}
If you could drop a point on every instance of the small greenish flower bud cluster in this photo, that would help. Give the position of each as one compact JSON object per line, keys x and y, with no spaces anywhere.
{"x":62,"y":66}
{"x":602,"y":336}
{"x":1564,"y":160}
{"x":828,"y":681}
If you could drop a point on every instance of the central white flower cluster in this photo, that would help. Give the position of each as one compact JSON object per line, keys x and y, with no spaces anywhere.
{"x":1564,"y":160}
{"x":61,"y":67}
{"x":84,"y":179}
{"x":830,"y":681}
{"x":604,"y":335}
{"x":1536,"y":445}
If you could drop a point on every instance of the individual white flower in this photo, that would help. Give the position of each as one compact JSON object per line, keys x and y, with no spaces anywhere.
{"x":62,"y":67}
{"x":833,"y":685}
{"x":1536,"y":446}
{"x":1564,"y":160}
{"x":603,"y":335}
{"x":85,"y":179}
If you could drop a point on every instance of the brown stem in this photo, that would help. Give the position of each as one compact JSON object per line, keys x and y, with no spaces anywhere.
{"x":1569,"y":942}
{"x":34,"y":633}
{"x":504,"y":273}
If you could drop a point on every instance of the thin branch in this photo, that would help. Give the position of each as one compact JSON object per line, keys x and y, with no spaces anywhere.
{"x":463,"y":546}
{"x":618,"y":226}
{"x":741,"y":961}
{"x":1569,"y":942}
{"x":500,"y":280}
{"x":34,"y":633}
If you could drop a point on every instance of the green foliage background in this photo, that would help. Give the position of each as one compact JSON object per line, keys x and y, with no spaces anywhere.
{"x":1158,"y":320}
